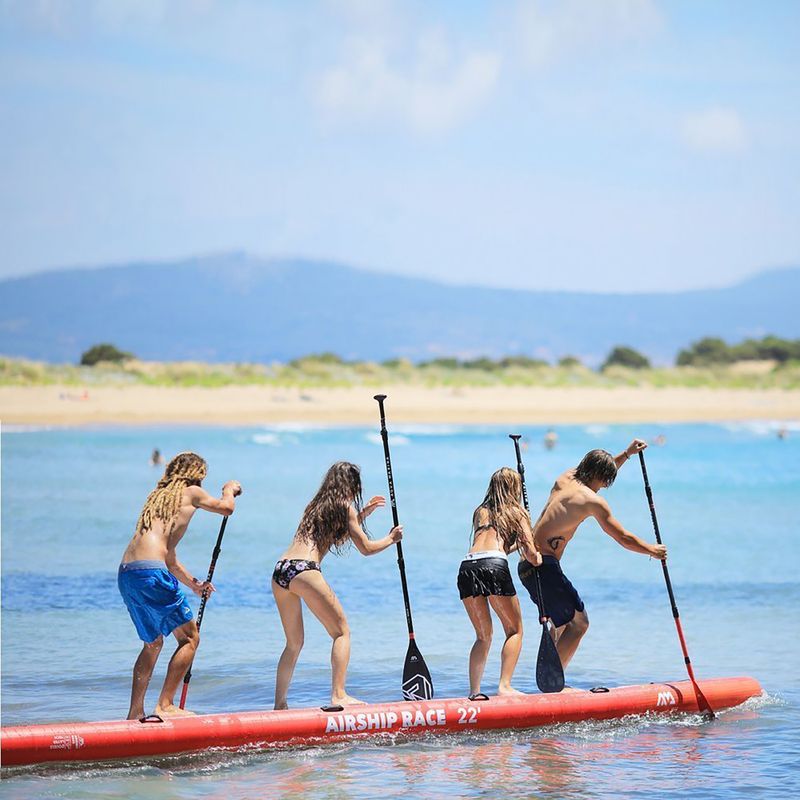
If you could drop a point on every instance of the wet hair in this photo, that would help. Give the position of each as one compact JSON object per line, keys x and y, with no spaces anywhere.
{"x":186,"y":469}
{"x":326,"y":519}
{"x":502,"y":507}
{"x":597,"y":465}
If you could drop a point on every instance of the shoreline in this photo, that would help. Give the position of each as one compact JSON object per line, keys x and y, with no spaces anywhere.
{"x":245,"y":405}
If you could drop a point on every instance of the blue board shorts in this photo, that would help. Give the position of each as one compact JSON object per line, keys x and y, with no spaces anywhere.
{"x":156,"y":605}
{"x":560,"y":598}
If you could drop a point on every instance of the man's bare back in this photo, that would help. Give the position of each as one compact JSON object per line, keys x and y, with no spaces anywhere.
{"x":571,"y":502}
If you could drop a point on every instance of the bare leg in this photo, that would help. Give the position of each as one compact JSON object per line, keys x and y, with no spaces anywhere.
{"x":142,"y":672}
{"x":291,"y":610}
{"x":325,"y":606}
{"x":481,"y":619}
{"x":188,"y":639}
{"x":510,"y":614}
{"x":570,"y":637}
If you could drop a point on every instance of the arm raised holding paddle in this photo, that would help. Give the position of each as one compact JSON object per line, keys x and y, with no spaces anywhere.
{"x":333,"y":519}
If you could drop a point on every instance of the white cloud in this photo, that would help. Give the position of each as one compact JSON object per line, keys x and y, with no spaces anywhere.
{"x":419,"y":81}
{"x":550,"y":31}
{"x":714,"y":130}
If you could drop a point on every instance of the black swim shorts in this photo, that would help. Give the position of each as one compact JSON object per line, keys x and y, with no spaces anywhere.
{"x":560,"y":598}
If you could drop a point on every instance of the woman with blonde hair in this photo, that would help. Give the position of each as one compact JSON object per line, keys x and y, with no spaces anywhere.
{"x":500,"y":525}
{"x":331,"y":521}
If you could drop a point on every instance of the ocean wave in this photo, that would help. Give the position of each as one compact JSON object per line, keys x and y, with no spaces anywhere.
{"x":272,"y":439}
{"x":10,"y":428}
{"x":761,"y":427}
{"x":398,"y":439}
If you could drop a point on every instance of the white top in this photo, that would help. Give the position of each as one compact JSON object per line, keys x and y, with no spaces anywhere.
{"x":485,"y":554}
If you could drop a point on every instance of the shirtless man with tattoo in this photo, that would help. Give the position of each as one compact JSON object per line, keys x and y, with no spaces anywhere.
{"x":573,"y":499}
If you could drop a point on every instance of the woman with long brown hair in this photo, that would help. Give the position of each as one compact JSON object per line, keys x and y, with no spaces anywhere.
{"x":500,"y":525}
{"x":332,"y":520}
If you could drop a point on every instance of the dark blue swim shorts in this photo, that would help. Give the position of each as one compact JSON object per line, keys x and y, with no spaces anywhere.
{"x":560,"y":598}
{"x":156,"y":605}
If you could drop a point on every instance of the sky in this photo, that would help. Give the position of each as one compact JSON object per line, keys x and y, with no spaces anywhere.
{"x":597,"y":145}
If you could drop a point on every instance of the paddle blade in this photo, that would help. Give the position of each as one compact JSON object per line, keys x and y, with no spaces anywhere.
{"x":549,"y":672}
{"x":417,"y":683}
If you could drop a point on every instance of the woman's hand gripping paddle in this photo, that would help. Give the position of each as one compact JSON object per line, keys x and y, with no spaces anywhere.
{"x":549,"y":672}
{"x":702,"y":703}
{"x":417,"y":683}
{"x":214,"y":556}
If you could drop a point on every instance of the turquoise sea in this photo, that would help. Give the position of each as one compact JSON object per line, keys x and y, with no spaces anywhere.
{"x":727,"y":498}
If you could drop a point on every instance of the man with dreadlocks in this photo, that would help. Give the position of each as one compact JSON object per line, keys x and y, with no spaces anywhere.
{"x":573,"y":499}
{"x":149,"y":574}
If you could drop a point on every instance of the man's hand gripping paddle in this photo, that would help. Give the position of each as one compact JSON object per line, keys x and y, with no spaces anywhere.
{"x":549,"y":672}
{"x":702,"y":703}
{"x":417,"y":683}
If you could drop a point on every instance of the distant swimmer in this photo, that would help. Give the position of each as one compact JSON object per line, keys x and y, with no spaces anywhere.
{"x":783,"y":432}
{"x":500,"y":525}
{"x":333,"y":519}
{"x":573,"y":499}
{"x":150,"y":571}
{"x":156,"y":458}
{"x":660,"y":440}
{"x":550,"y":440}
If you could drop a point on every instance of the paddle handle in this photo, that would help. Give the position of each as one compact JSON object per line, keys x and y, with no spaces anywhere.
{"x":203,"y":600}
{"x":395,"y":519}
{"x":702,"y":703}
{"x":515,"y":437}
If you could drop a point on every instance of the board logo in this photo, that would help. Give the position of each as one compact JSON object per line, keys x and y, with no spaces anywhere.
{"x":666,"y":699}
{"x":65,"y":741}
{"x":417,"y":687}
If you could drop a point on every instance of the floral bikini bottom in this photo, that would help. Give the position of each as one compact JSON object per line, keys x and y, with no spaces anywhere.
{"x":287,"y":569}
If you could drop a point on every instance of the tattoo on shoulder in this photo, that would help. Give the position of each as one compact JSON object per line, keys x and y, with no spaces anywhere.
{"x":555,"y":542}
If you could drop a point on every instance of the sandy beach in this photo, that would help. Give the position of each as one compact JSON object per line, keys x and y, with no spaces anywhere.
{"x":236,"y":405}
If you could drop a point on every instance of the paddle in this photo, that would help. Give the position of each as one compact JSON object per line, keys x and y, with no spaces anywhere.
{"x":417,"y":683}
{"x":549,"y":672}
{"x":702,"y":703}
{"x":214,"y":556}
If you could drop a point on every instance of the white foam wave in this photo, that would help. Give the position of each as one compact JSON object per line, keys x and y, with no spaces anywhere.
{"x":762,"y":427}
{"x":9,"y":428}
{"x":267,"y":438}
{"x":398,"y":439}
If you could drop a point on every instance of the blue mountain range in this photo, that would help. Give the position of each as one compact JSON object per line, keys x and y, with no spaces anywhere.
{"x":237,"y":307}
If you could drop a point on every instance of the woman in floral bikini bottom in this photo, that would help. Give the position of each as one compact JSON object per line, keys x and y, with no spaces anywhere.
{"x":332,"y":519}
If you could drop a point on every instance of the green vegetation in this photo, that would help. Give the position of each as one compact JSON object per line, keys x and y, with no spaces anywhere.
{"x":712,"y":350}
{"x":626,"y":357}
{"x":326,"y":370}
{"x":104,"y":352}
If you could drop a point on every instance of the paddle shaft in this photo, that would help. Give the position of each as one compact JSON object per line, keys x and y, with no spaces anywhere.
{"x":521,"y":469}
{"x":701,"y":700}
{"x":393,"y":501}
{"x":214,"y":556}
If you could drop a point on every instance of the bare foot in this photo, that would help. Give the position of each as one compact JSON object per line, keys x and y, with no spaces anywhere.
{"x":346,"y":700}
{"x":173,"y":711}
{"x":281,"y":706}
{"x":570,"y":689}
{"x":135,"y":715}
{"x":508,"y":690}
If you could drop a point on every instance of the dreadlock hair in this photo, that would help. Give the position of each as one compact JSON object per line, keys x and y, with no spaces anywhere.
{"x":325,"y":523}
{"x":503,"y":507}
{"x":186,"y":469}
{"x":597,"y":465}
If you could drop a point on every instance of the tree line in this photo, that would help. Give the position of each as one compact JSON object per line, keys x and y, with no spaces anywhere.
{"x":709,"y":351}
